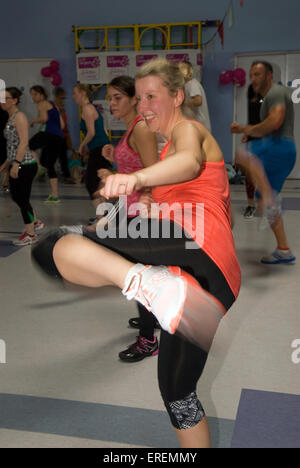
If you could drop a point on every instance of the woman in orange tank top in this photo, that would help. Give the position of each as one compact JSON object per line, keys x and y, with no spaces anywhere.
{"x":186,"y":228}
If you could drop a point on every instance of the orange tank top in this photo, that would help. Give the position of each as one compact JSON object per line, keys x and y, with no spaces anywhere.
{"x":202,"y":207}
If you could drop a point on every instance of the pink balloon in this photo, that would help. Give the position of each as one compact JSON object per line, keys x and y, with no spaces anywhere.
{"x":54,"y":65}
{"x":56,"y":79}
{"x":226,"y":77}
{"x":239,"y":75}
{"x":46,"y":72}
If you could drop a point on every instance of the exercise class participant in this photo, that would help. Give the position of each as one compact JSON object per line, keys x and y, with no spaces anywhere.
{"x":95,"y":138}
{"x":273,"y":154}
{"x":136,"y":150}
{"x":49,"y":139}
{"x":21,"y":165}
{"x":191,"y":297}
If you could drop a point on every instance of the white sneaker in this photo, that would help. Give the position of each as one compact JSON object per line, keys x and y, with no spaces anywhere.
{"x":157,"y":290}
{"x":279,"y":256}
{"x":26,"y":239}
{"x":175,"y":298}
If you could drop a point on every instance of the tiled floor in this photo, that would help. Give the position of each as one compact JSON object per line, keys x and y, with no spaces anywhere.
{"x":62,"y":383}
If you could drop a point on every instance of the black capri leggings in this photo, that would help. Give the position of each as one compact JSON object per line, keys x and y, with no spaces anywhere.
{"x":20,"y":190}
{"x":51,"y":146}
{"x":180,"y":363}
{"x":95,"y":162}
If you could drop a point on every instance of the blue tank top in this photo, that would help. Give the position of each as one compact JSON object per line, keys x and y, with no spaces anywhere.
{"x":100,"y":138}
{"x":53,"y":123}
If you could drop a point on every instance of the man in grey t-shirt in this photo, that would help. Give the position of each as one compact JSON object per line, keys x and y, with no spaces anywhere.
{"x":278,"y":100}
{"x":273,"y":153}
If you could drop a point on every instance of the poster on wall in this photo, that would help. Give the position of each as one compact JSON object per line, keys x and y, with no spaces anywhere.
{"x":103,"y":67}
{"x":141,"y":59}
{"x":90,"y":69}
{"x":118,"y":64}
{"x":174,"y":56}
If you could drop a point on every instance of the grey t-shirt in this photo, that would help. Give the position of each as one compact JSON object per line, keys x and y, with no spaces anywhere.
{"x":279,"y":95}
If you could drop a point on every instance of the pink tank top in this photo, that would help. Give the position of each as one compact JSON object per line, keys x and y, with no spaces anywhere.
{"x":128,"y":160}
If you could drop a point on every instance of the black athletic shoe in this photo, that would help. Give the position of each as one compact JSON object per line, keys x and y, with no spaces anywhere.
{"x":139,"y":350}
{"x":249,"y":212}
{"x":135,"y":323}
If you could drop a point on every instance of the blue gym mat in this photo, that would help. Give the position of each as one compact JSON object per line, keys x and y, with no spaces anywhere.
{"x":267,"y":420}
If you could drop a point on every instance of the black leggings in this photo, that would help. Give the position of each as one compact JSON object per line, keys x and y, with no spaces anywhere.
{"x":147,"y":322}
{"x":180,"y":363}
{"x":63,"y":159}
{"x":51,"y":146}
{"x":20,"y":190}
{"x":95,"y":162}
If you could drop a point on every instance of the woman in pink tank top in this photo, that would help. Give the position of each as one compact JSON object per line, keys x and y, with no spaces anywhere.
{"x":138,"y":147}
{"x":136,"y":150}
